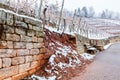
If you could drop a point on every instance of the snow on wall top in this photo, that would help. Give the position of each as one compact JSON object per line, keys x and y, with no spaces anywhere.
{"x":24,"y":16}
{"x":90,"y":31}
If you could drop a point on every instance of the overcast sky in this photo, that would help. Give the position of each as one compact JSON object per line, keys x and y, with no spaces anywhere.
{"x":98,"y":5}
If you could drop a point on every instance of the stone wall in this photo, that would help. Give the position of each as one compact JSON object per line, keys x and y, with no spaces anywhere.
{"x":114,"y":39}
{"x":100,"y":42}
{"x":21,"y":46}
{"x":80,"y":43}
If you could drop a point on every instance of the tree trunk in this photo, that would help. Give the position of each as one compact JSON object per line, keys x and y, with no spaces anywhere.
{"x":79,"y":24}
{"x":73,"y":21}
{"x":39,"y":10}
{"x":60,"y":15}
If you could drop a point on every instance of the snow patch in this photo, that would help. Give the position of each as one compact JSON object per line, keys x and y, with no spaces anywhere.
{"x":63,"y":50}
{"x":59,"y":31}
{"x":34,"y":77}
{"x":87,"y":56}
{"x":107,"y":46}
{"x":49,"y":71}
{"x":11,"y":12}
{"x":92,"y":48}
{"x":51,"y":60}
{"x":51,"y":44}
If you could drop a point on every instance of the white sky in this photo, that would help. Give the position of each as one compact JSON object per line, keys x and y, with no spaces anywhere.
{"x":99,"y":5}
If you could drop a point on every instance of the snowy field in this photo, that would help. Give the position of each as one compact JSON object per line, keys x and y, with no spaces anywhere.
{"x":92,"y":29}
{"x":105,"y":27}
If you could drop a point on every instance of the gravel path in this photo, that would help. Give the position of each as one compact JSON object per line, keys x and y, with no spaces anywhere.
{"x":105,"y":67}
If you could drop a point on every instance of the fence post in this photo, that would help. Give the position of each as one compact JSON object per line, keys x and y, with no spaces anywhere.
{"x":39,"y":10}
{"x":60,"y":15}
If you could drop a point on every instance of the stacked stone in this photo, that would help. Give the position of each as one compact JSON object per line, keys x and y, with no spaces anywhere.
{"x":21,"y":46}
{"x":79,"y":43}
{"x":114,"y":39}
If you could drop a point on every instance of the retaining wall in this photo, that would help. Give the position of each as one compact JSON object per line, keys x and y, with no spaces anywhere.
{"x":21,"y":46}
{"x":114,"y":39}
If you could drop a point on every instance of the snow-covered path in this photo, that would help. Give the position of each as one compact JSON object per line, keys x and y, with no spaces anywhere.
{"x":105,"y":67}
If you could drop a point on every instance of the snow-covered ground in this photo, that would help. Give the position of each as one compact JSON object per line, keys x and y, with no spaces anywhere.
{"x":54,"y":29}
{"x":89,"y":35}
{"x":105,"y":27}
{"x":63,"y":60}
{"x":72,"y":61}
{"x":87,"y":56}
{"x":107,"y":46}
{"x":92,"y":29}
{"x":117,"y":22}
{"x":66,"y":52}
{"x":34,"y":77}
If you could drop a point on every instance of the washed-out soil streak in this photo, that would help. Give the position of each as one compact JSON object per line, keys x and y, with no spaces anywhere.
{"x":105,"y":67}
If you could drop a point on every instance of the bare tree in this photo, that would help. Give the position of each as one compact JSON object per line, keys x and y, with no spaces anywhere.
{"x":103,"y":14}
{"x":61,"y":14}
{"x":79,"y":24}
{"x":64,"y":22}
{"x":40,"y":8}
{"x":84,"y":9}
{"x":107,"y":14}
{"x":78,"y":12}
{"x":91,"y":12}
{"x":72,"y":27}
{"x":23,"y":6}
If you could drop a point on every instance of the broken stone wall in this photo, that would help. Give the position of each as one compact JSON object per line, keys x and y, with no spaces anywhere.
{"x":81,"y":41}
